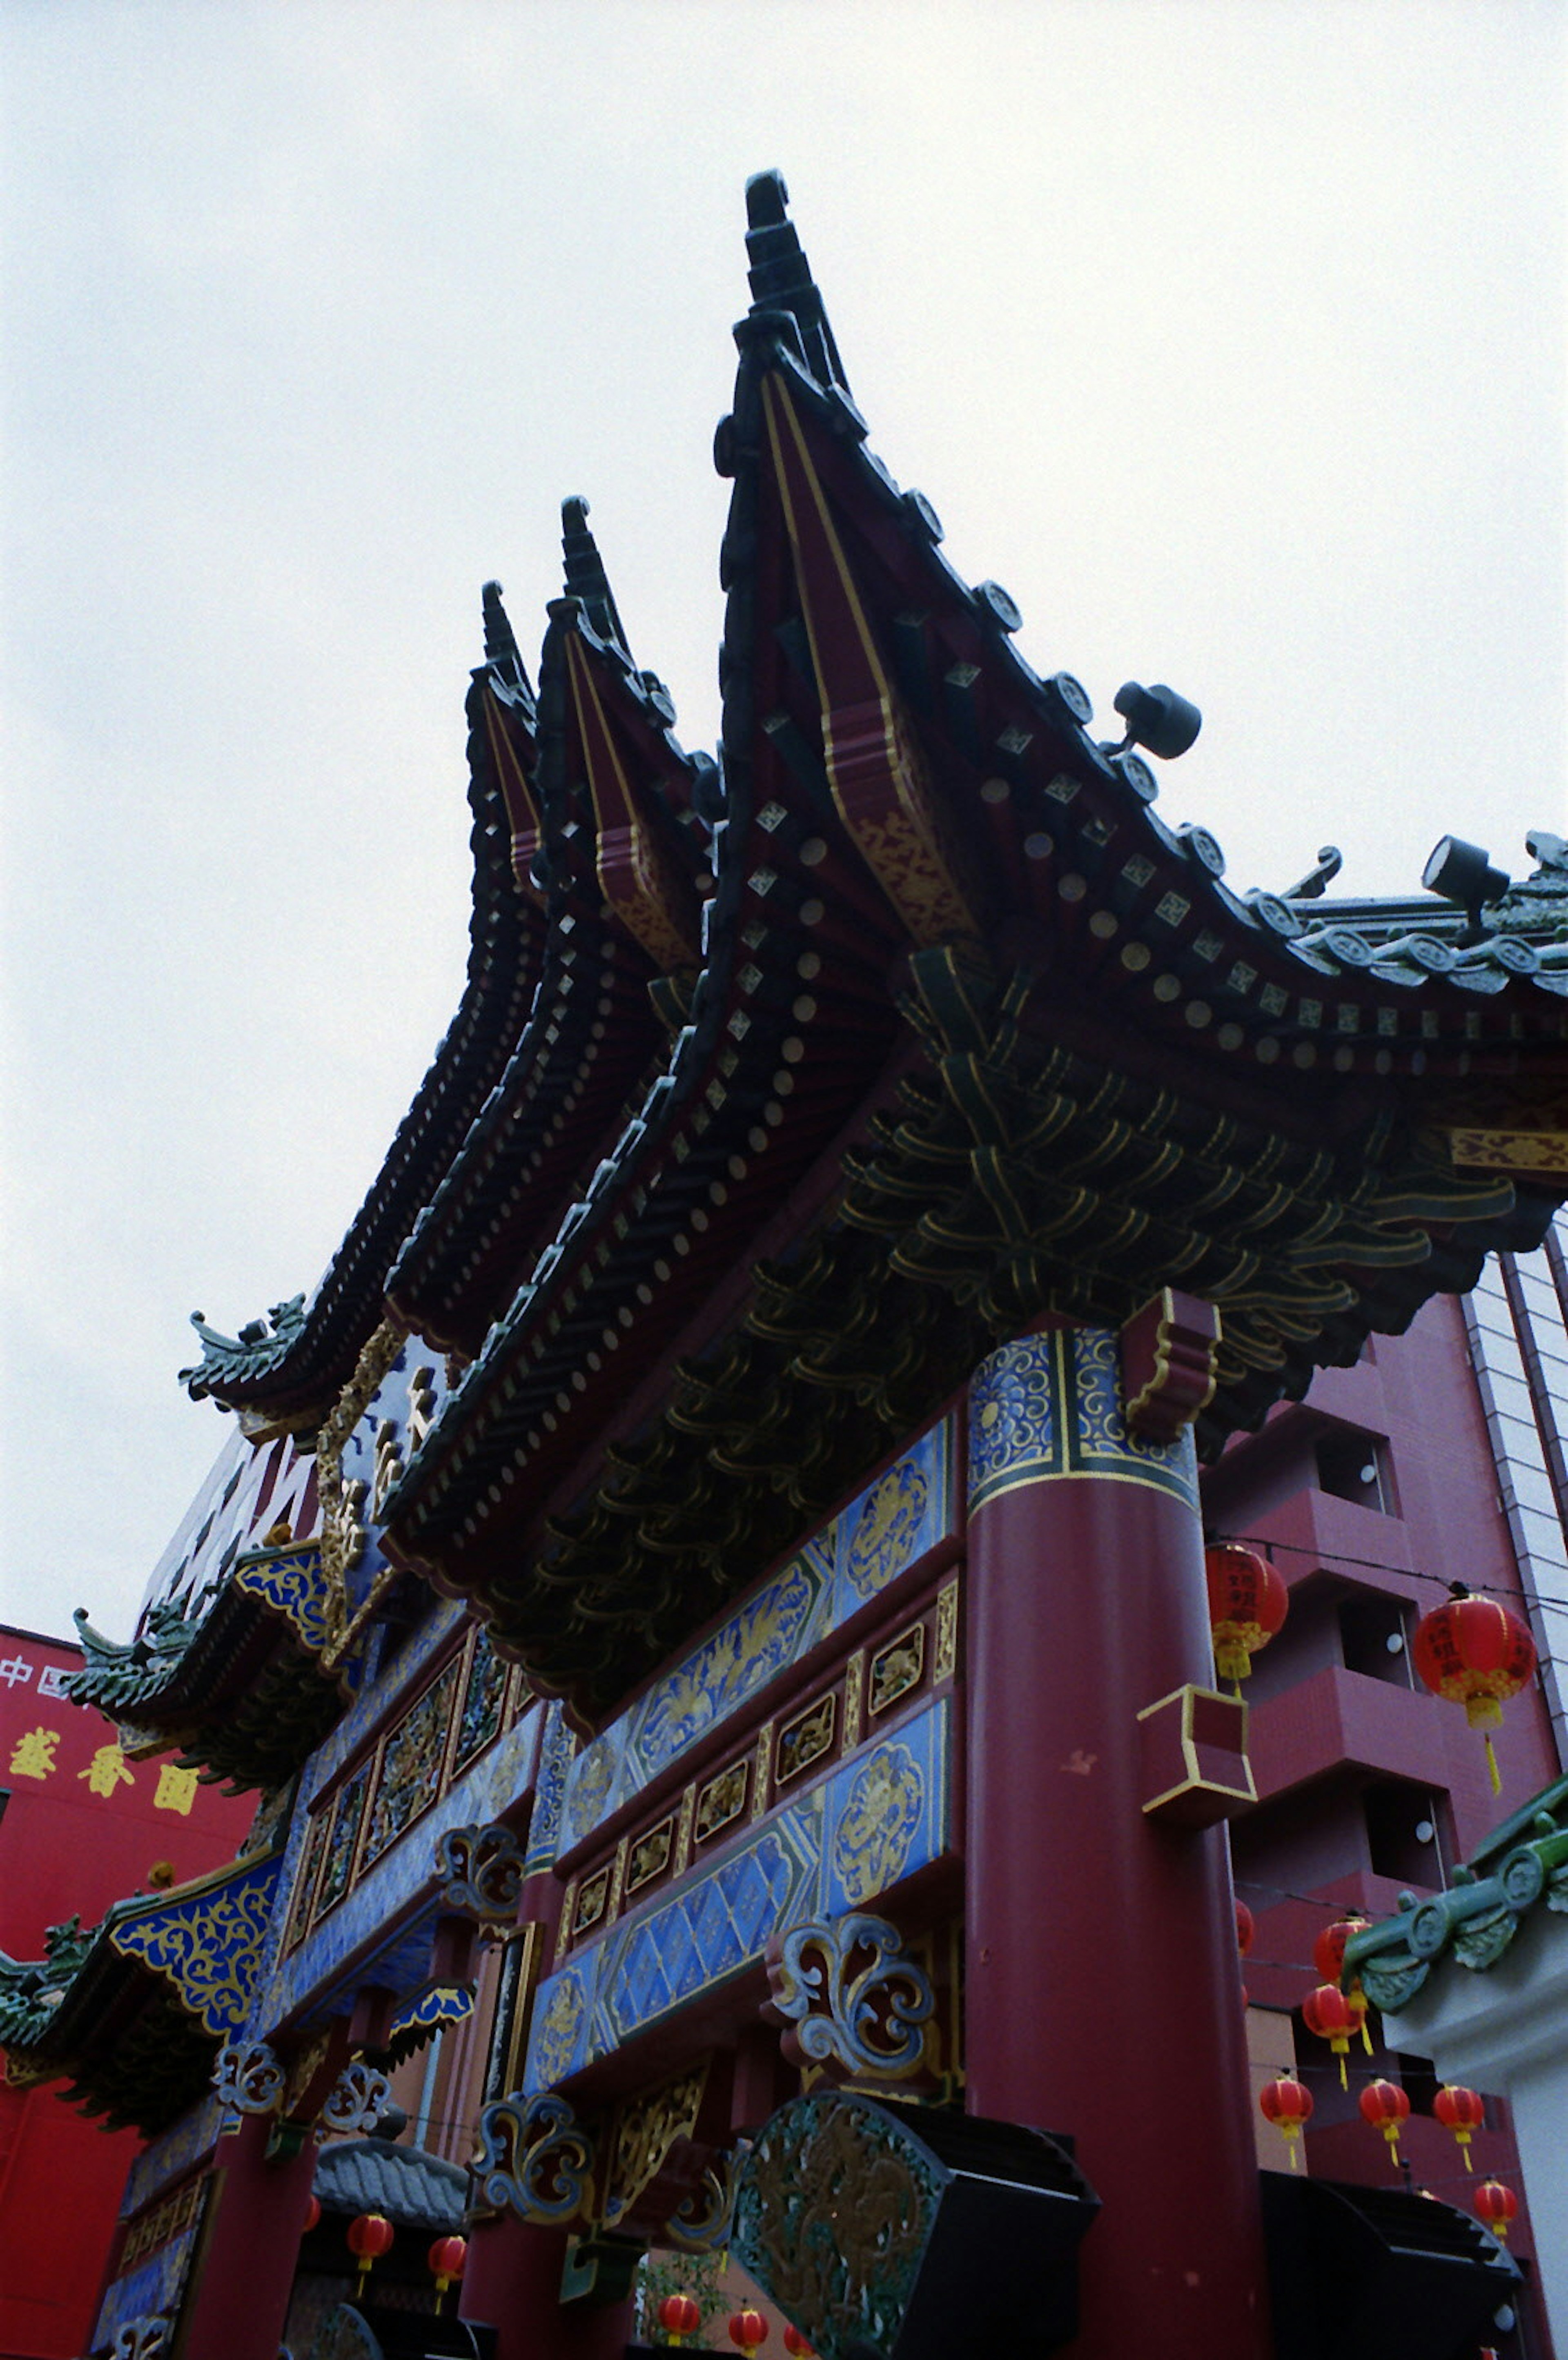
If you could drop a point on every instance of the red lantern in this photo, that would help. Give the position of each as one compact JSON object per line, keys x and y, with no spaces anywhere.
{"x":1247,"y":1603}
{"x":748,"y":2329}
{"x":1496,"y":2205}
{"x":446,"y":2259}
{"x":1477,"y":1653}
{"x":1335,"y":2016}
{"x":1247,"y":1927}
{"x":1287,"y":2105}
{"x":370,"y":2234}
{"x":1384,"y":2105}
{"x":679,"y":2315}
{"x":312,"y":2215}
{"x":795,"y":2342}
{"x":1328,"y":1951}
{"x":1462,"y":2112}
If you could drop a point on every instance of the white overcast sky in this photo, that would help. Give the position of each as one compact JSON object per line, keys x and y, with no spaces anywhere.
{"x":1228,"y":334}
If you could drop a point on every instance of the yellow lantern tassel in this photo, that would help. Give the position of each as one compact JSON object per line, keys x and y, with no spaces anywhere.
{"x":1343,"y":2076}
{"x":1493,"y":1771}
{"x":1366,"y":2037}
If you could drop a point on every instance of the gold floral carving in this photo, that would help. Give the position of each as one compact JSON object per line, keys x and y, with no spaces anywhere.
{"x":897,"y":1668}
{"x":807,"y":1738}
{"x":649,"y":2127}
{"x":684,"y":1828}
{"x":1510,"y":1151}
{"x":650,"y":1855}
{"x":343,"y":1529}
{"x":947,"y":1655}
{"x":722,"y":1800}
{"x":854,"y":1698}
{"x":592,"y":1901}
{"x":763,"y":1780}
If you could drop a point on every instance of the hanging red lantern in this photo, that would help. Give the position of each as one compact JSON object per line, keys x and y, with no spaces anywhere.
{"x":1287,"y":2105}
{"x":748,"y":2330}
{"x":1247,"y":1927}
{"x":1477,"y":1653}
{"x":1462,"y":2112}
{"x":1247,"y":1604}
{"x":312,"y":2215}
{"x":446,"y":2259}
{"x":795,"y":2342}
{"x":1328,"y":1951}
{"x":679,"y":2315}
{"x":1335,"y":2016}
{"x":1384,"y":2105}
{"x":1496,"y":2205}
{"x":370,"y":2234}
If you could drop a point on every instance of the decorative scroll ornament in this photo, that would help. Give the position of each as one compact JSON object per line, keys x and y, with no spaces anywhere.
{"x":652,"y":2132}
{"x":702,"y":2224}
{"x":248,"y":2076}
{"x":355,"y":2100}
{"x":850,"y":1998}
{"x":141,"y":2339}
{"x":535,"y":2157}
{"x":483,"y":1869}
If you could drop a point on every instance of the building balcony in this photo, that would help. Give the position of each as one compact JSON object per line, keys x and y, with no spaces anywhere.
{"x":1338,"y":1719}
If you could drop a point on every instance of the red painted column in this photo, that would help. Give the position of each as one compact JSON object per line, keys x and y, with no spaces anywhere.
{"x":1101,"y":1986}
{"x":251,"y":2247}
{"x":512,"y":2280}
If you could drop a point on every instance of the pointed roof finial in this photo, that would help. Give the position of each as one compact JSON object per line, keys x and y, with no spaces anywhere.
{"x":585,"y":576}
{"x":781,"y":277}
{"x":501,"y":645}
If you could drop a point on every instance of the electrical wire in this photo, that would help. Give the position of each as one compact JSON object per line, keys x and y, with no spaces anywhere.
{"x":1331,"y":1559}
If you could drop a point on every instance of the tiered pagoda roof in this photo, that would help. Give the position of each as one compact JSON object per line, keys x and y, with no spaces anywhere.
{"x":908,"y":1023}
{"x":131,"y":2012}
{"x":234,"y":1683}
{"x":289,"y":1368}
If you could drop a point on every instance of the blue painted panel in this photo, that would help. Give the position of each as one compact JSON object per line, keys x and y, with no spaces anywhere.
{"x":156,"y":2284}
{"x":861,"y":1829}
{"x":304,"y":1984}
{"x":892,"y":1522}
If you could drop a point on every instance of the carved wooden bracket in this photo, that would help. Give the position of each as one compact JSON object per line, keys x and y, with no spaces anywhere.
{"x":248,"y":2076}
{"x":537,"y":2159}
{"x":482,"y":1867}
{"x":1169,"y":1363}
{"x":356,"y":2099}
{"x":851,"y":2001}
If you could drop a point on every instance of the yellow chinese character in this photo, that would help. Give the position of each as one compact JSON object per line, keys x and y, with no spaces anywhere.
{"x":105,"y":1770}
{"x":32,"y":1756}
{"x":176,"y":1789}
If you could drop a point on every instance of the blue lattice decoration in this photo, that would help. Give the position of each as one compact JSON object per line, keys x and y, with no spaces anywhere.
{"x":869,"y":1823}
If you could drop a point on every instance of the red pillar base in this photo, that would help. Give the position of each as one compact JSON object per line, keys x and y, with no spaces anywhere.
{"x":512,"y":2282}
{"x":251,"y":2248}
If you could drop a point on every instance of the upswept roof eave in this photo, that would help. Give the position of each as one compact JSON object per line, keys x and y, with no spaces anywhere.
{"x":295,"y":1364}
{"x":593,"y":1038}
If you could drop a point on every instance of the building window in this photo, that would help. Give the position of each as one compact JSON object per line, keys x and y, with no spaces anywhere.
{"x":1374,"y":1631}
{"x":1407,"y":1839}
{"x":1353,"y":1466}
